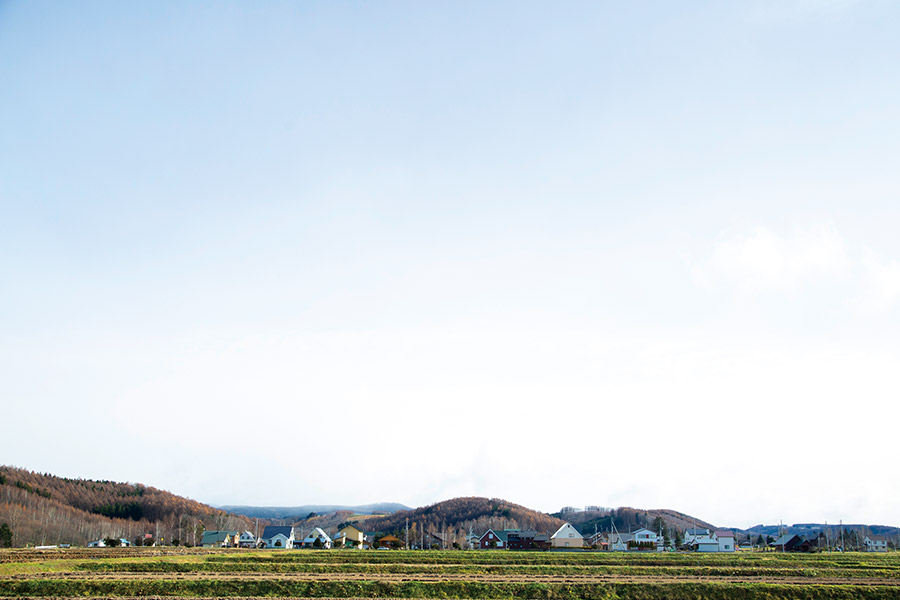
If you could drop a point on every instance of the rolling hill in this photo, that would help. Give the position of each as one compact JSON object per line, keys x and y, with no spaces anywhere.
{"x":44,"y":509}
{"x":454,"y":519}
{"x":626,"y":519}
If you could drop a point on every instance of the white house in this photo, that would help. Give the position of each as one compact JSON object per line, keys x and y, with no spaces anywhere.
{"x":97,"y":544}
{"x":277,"y":536}
{"x":317,"y":534}
{"x":566,"y":537}
{"x":690,"y":535}
{"x":618,"y":542}
{"x":642,"y":539}
{"x":875,"y":543}
{"x":725,"y":540}
{"x":246,"y":540}
{"x":702,"y":540}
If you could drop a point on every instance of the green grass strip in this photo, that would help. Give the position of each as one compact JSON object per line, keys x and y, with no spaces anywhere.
{"x":445,"y":590}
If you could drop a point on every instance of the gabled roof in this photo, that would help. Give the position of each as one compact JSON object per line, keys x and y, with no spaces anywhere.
{"x":346,"y":527}
{"x":785,"y":539}
{"x":703,"y":541}
{"x":215,"y":537}
{"x":725,"y":533}
{"x":500,"y":535}
{"x":696,"y":531}
{"x":521,"y":533}
{"x":318,"y":533}
{"x":564,"y":527}
{"x":272,"y":530}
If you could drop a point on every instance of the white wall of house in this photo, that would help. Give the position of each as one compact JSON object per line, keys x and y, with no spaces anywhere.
{"x":567,"y":537}
{"x":618,"y":542}
{"x":278,"y":541}
{"x":703,"y":536}
{"x":872,"y":545}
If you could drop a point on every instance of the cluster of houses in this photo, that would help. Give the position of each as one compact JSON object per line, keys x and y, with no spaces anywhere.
{"x":287,"y":537}
{"x":796,"y":543}
{"x":566,"y":537}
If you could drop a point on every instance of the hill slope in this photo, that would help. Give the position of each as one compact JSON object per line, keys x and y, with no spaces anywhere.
{"x":44,"y":509}
{"x":629,"y":519}
{"x":455,"y":518}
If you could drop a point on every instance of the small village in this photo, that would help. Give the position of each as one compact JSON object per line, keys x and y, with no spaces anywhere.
{"x":566,"y":538}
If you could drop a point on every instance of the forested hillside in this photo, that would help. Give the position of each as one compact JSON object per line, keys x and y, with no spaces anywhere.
{"x":453,"y":519}
{"x":625,"y":519}
{"x":44,"y":509}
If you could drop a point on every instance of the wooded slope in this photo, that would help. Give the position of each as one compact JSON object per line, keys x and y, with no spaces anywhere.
{"x":44,"y":509}
{"x":460,"y":515}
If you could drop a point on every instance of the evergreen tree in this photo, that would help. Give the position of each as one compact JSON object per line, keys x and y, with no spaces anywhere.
{"x":5,"y":536}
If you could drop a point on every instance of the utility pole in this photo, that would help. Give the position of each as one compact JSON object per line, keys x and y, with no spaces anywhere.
{"x":407,"y":533}
{"x":842,"y":535}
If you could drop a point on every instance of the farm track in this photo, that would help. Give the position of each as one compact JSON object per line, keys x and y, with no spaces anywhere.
{"x":469,"y":578}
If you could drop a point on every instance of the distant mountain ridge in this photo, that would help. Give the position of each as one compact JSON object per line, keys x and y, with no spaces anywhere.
{"x":301,"y":512}
{"x":812,"y":529}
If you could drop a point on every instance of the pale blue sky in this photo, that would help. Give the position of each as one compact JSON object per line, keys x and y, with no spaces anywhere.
{"x":675,"y":221}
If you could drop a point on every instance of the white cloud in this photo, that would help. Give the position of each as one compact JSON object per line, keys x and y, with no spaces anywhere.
{"x":816,"y":264}
{"x":881,"y":282}
{"x":765,"y":261}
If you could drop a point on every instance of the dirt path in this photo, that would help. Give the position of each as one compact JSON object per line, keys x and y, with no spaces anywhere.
{"x":474,"y":578}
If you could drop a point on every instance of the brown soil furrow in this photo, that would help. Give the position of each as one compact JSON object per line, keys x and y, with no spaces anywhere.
{"x":434,"y":578}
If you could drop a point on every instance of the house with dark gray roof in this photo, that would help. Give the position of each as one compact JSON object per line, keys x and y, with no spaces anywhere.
{"x":277,"y":536}
{"x":787,"y":543}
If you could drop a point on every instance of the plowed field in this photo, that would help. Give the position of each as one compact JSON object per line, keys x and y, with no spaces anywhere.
{"x":190,"y":573}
